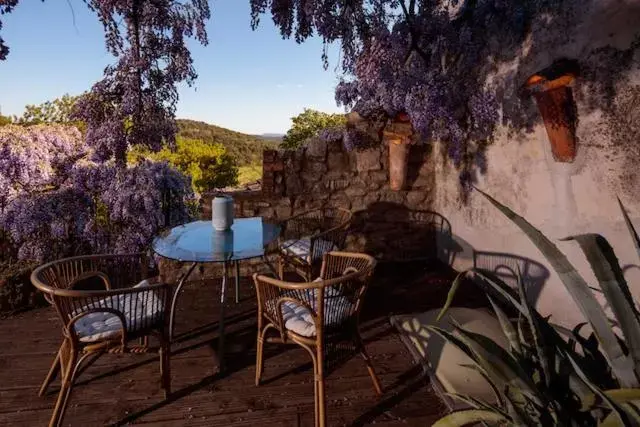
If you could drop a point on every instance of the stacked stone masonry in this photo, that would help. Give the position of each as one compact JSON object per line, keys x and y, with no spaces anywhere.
{"x":324,"y":174}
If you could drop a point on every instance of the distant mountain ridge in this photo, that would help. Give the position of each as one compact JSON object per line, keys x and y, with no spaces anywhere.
{"x":271,"y":135}
{"x":246,"y":149}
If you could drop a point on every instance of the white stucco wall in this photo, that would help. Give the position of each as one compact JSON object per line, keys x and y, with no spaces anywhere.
{"x":561,"y":199}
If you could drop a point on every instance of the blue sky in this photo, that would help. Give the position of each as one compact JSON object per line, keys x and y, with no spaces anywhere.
{"x":250,"y":81}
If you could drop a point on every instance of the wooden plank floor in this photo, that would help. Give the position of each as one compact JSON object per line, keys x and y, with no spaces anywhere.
{"x":125,"y":389}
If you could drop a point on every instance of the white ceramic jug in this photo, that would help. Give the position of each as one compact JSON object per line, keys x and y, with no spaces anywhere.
{"x":222,"y":212}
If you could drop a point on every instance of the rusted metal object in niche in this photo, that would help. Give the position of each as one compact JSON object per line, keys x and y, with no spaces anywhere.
{"x":553,"y":93}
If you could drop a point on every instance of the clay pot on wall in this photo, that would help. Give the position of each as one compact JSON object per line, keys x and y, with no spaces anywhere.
{"x":554,"y":97}
{"x":398,"y":135}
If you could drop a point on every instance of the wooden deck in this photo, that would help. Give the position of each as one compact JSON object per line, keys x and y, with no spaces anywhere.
{"x":125,"y":389}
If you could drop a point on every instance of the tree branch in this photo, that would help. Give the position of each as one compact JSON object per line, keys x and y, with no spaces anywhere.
{"x":415,"y":36}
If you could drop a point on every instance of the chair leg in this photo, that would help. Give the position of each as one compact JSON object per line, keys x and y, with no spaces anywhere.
{"x":367,"y":361}
{"x":69,"y":369}
{"x":237,"y":265}
{"x":260,"y":352}
{"x":259,"y":358}
{"x":281,"y":268}
{"x":165,"y":367}
{"x":53,"y":373}
{"x":316,"y":405}
{"x":320,"y":395}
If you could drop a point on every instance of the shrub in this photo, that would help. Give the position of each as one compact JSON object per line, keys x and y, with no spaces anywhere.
{"x":36,"y":158}
{"x":57,"y":205}
{"x":550,"y":375}
{"x":208,"y":165}
{"x":308,"y":124}
{"x":16,"y":291}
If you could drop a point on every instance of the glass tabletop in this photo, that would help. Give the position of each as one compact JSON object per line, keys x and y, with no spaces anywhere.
{"x":199,"y":242}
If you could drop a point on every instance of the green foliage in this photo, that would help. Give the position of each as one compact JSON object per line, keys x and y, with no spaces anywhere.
{"x":308,"y":124}
{"x":16,"y":291}
{"x":249,"y":174}
{"x":550,"y":375}
{"x":58,"y":111}
{"x":245,"y":149}
{"x":208,"y":165}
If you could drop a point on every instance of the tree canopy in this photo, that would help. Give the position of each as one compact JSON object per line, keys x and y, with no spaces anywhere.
{"x":58,"y":111}
{"x":208,"y":165}
{"x":308,"y":124}
{"x":456,"y":67}
{"x":134,"y":104}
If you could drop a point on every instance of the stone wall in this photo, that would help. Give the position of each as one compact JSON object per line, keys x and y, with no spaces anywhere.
{"x":324,"y":174}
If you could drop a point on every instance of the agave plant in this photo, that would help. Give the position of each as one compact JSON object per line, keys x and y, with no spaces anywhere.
{"x":550,"y":375}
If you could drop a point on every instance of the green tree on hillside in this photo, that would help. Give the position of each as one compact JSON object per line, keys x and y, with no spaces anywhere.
{"x":5,"y":120}
{"x":307,"y":124}
{"x":57,"y":111}
{"x":245,"y":149}
{"x":208,"y":165}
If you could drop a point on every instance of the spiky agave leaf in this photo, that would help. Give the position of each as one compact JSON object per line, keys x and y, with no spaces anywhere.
{"x":606,"y":268}
{"x":622,"y":417}
{"x":477,"y":404}
{"x":496,"y":284}
{"x":579,"y":291}
{"x":499,"y":364}
{"x":471,"y":416}
{"x":630,"y":227}
{"x":507,"y":328}
{"x":488,"y":379}
{"x":497,"y":378}
{"x":539,"y":342}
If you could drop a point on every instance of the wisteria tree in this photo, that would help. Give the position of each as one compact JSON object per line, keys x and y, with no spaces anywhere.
{"x":456,"y":67}
{"x":97,"y":204}
{"x":135,"y":102}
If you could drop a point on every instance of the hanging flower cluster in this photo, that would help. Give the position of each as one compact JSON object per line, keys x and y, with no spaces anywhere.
{"x":455,"y":67}
{"x":36,"y":158}
{"x":135,"y":102}
{"x":56,"y":202}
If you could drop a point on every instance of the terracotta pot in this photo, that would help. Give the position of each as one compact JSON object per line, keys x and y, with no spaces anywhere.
{"x":402,"y":118}
{"x":398,"y":155}
{"x":556,"y":105}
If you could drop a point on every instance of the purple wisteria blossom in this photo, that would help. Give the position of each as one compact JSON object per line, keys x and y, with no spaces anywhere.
{"x":455,"y":67}
{"x":35,"y":158}
{"x":135,"y":102}
{"x":57,"y":202}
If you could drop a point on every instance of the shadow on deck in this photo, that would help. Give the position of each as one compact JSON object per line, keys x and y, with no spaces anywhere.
{"x":125,"y":389}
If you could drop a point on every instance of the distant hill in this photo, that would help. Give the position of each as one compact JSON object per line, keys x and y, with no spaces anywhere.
{"x":272,"y":136}
{"x":246,"y":149}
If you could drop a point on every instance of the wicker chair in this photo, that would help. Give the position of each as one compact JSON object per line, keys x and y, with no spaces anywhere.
{"x":102,"y":313}
{"x":306,"y":237}
{"x":314,"y":314}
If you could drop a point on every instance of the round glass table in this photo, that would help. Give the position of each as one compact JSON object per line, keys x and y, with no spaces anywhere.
{"x":198,"y":242}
